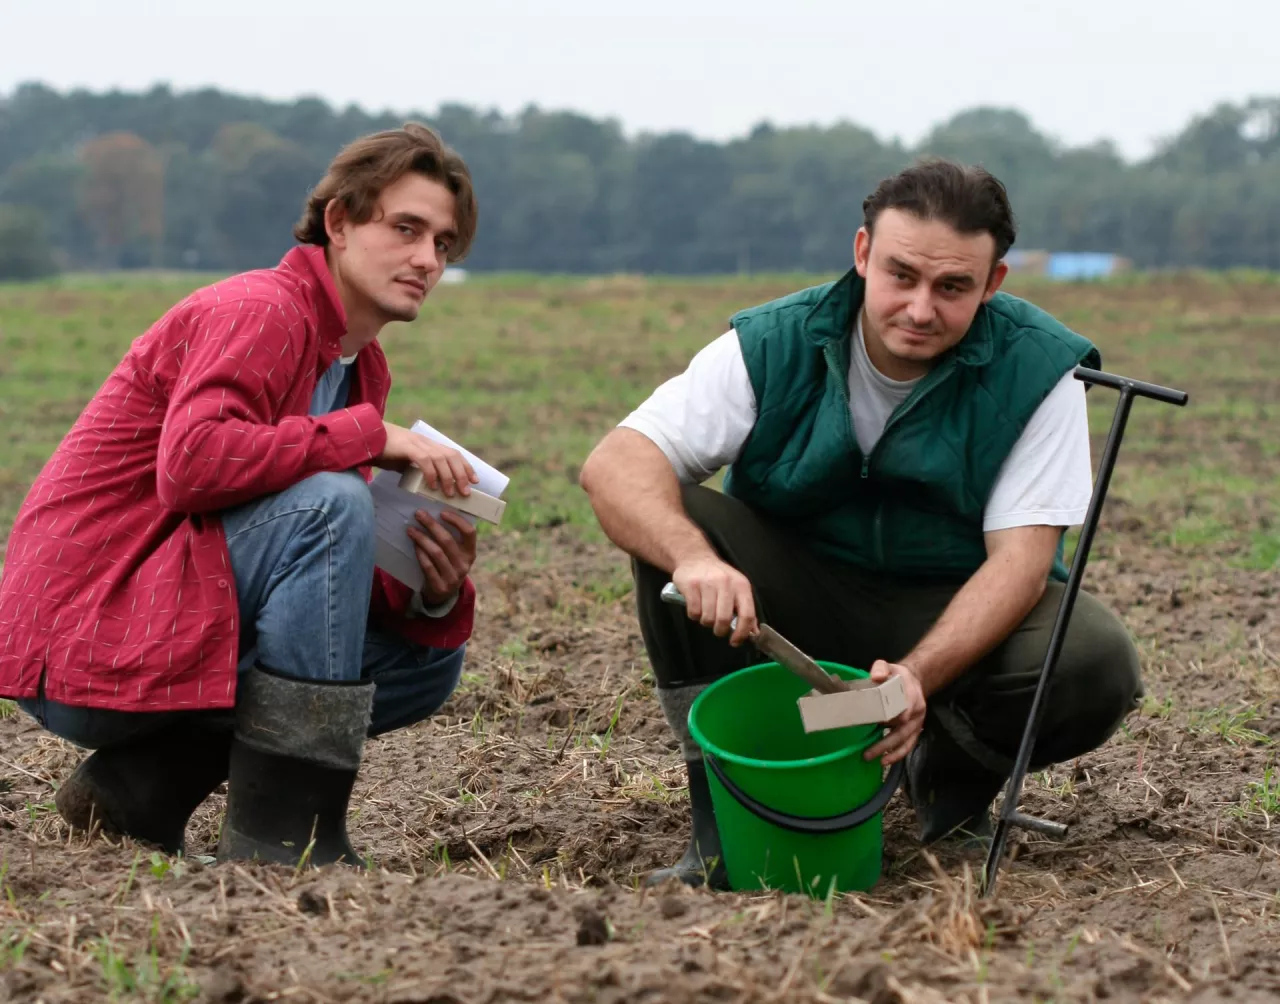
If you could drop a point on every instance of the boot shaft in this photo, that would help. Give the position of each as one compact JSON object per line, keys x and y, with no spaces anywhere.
{"x":297,"y":751}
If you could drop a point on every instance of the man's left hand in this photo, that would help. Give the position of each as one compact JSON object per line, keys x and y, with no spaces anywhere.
{"x":445,"y":560}
{"x":903,"y":731}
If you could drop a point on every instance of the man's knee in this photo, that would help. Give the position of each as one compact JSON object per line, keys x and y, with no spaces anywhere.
{"x":710,"y":509}
{"x":344,"y":498}
{"x":414,"y":687}
{"x":1100,"y":671}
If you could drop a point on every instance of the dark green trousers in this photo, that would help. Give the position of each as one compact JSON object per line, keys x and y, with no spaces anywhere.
{"x":836,"y":612}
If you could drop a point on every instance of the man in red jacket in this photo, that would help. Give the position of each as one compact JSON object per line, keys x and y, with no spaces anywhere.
{"x":189,"y":587}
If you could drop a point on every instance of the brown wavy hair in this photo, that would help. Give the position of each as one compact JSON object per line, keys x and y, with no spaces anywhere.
{"x":363,"y":168}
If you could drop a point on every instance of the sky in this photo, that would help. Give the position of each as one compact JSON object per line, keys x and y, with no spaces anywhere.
{"x":1130,"y":71}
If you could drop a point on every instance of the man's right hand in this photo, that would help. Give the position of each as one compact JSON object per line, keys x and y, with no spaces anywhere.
{"x":714,"y":593}
{"x":443,"y":468}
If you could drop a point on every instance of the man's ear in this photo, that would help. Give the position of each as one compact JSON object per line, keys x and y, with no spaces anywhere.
{"x":335,"y":223}
{"x":998,"y":272}
{"x":862,"y":250}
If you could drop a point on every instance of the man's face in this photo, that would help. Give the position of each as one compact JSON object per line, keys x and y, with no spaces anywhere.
{"x":390,"y":264}
{"x":924,"y":283}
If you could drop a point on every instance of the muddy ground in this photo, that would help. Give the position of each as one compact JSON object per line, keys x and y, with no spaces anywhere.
{"x":507,"y":837}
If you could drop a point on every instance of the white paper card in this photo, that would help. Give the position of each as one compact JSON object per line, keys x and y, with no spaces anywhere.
{"x":393,"y":510}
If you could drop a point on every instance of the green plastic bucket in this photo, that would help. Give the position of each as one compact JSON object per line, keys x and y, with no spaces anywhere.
{"x":796,"y":811}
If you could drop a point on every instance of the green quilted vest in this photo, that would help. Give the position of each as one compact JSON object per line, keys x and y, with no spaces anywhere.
{"x":913,"y":506}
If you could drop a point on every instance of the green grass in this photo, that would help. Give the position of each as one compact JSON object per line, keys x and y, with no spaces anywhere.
{"x":1232,"y":725}
{"x":1264,"y":550}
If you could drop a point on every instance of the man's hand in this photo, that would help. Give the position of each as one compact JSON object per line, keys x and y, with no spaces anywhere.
{"x":903,"y":731}
{"x":445,"y":561}
{"x":443,"y":468}
{"x":714,"y":592}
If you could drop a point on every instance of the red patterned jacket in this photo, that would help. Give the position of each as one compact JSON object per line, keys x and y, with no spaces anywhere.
{"x":117,"y":586}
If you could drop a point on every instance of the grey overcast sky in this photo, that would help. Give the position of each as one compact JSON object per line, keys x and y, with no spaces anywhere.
{"x":1132,"y":71}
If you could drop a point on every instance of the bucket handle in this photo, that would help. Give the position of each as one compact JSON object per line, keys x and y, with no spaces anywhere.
{"x":804,"y":824}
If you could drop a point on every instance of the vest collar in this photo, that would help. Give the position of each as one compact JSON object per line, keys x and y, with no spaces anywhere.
{"x":831,"y":320}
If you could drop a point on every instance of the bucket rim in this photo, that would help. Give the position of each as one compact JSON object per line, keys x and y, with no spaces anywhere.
{"x":710,"y":748}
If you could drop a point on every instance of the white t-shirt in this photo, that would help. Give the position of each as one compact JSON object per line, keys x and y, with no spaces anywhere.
{"x":701,"y":419}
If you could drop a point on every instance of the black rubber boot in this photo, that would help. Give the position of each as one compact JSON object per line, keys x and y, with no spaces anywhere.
{"x":950,"y":791}
{"x":148,"y":789}
{"x":295,"y":758}
{"x":702,"y":863}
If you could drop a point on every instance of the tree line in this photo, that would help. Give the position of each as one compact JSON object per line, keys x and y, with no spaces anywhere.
{"x":214,"y":181}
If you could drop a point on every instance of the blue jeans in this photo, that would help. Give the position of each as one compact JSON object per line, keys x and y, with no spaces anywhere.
{"x":303,"y":565}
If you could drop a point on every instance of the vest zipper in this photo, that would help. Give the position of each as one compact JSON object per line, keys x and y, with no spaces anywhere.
{"x":925,"y":388}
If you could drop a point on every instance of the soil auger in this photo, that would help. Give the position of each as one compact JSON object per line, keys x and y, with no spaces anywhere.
{"x":1009,"y":814}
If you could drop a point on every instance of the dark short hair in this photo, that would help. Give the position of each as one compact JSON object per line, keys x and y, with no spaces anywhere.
{"x":970,"y":199}
{"x":363,"y":168}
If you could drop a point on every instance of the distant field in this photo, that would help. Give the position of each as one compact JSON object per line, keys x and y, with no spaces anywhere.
{"x":548,"y":786}
{"x":530,"y":372}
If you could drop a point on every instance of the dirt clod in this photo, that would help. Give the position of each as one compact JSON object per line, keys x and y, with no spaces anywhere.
{"x":873,"y":986}
{"x":311,"y":902}
{"x":593,"y":928}
{"x":224,"y":986}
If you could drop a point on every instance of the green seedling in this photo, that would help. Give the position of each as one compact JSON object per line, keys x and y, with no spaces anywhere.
{"x":146,"y":977}
{"x":1072,"y":944}
{"x":127,"y":885}
{"x":35,"y":810}
{"x":13,"y":947}
{"x":603,"y":742}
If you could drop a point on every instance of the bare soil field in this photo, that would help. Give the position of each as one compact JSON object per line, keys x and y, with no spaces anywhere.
{"x":507,"y":838}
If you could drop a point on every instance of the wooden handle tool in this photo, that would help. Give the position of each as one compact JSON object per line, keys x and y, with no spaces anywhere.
{"x":772,"y":644}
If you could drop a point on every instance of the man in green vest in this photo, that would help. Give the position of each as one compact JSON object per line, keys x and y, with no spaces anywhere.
{"x":905,"y":448}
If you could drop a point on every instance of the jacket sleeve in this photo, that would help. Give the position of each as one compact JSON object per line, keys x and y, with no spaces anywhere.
{"x":222,"y":442}
{"x":390,"y":602}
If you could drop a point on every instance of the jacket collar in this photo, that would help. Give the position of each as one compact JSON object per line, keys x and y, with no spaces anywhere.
{"x":308,"y":262}
{"x":831,"y":320}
